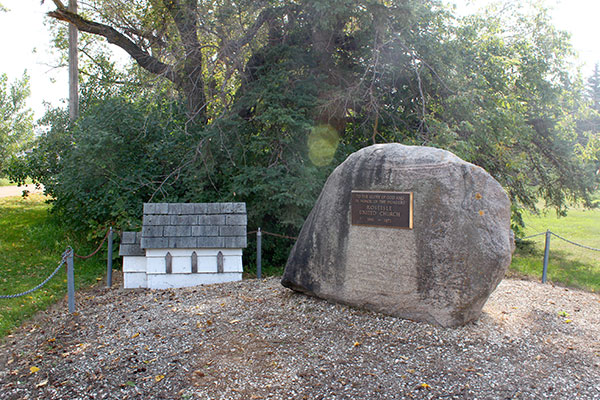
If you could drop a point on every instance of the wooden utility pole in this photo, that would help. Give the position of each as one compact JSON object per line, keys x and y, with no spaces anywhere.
{"x":73,"y":67}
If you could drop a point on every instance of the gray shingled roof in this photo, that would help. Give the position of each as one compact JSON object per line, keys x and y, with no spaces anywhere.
{"x":130,"y":244}
{"x":194,"y":225}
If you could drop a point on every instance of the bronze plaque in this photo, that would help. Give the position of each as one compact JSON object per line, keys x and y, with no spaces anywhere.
{"x":386,"y":209}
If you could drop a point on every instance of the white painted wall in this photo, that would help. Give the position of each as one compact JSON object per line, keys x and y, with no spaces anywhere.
{"x":150,"y":271}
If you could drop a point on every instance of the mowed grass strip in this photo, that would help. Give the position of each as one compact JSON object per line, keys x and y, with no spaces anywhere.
{"x":31,"y":247}
{"x":568,"y":264}
{"x":7,"y":182}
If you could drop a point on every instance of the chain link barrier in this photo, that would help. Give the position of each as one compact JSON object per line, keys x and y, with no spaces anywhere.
{"x":62,"y":262}
{"x":529,"y":237}
{"x":95,"y":251}
{"x":558,"y":236}
{"x":273,"y":234}
{"x":69,"y":251}
{"x":516,"y":239}
{"x":67,"y":257}
{"x":573,"y":243}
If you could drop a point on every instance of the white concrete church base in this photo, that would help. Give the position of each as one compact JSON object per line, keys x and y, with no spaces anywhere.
{"x":164,"y":281}
{"x":151,"y":271}
{"x":134,"y":272}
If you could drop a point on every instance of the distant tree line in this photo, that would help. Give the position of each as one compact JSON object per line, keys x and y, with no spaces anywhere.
{"x":16,"y":119}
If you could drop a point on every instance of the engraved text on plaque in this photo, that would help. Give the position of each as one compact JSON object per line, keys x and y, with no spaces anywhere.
{"x":385,"y":209}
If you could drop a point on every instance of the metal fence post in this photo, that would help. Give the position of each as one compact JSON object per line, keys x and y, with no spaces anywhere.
{"x":70,"y":281}
{"x":258,"y":254}
{"x":546,"y":256}
{"x":109,"y":259}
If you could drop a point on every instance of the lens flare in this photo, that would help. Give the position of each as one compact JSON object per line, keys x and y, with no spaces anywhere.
{"x":323,"y":141}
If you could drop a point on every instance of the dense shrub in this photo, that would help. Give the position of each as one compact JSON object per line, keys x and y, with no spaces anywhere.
{"x":121,"y":153}
{"x":99,"y":170}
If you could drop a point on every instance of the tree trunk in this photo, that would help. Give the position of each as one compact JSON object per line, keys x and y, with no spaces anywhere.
{"x":73,"y":67}
{"x":189,"y":76}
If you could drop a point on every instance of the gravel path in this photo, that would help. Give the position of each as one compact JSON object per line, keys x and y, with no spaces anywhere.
{"x":13,"y":191}
{"x":258,"y":340}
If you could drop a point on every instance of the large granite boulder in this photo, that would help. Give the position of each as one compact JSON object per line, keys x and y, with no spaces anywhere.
{"x":441,"y":270}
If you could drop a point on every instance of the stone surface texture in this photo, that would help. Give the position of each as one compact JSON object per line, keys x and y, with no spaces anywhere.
{"x":442,"y":271}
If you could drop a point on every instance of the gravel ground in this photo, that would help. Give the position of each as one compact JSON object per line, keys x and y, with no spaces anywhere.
{"x":258,"y":340}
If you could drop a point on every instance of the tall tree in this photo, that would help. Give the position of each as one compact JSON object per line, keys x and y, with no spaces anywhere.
{"x":262,"y":79}
{"x":73,"y":67}
{"x":16,"y":119}
{"x":207,"y":48}
{"x":593,"y":88}
{"x":163,"y":37}
{"x":588,"y":122}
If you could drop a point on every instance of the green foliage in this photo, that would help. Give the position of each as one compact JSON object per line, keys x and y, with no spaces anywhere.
{"x":502,"y":96}
{"x":593,"y":88}
{"x":587,"y":126}
{"x":290,"y":95}
{"x":8,"y":182}
{"x":16,"y":121}
{"x":118,"y":154}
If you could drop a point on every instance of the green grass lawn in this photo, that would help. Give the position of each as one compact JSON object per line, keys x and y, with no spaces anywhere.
{"x":6,"y":182}
{"x":31,"y":245}
{"x":568,"y":264}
